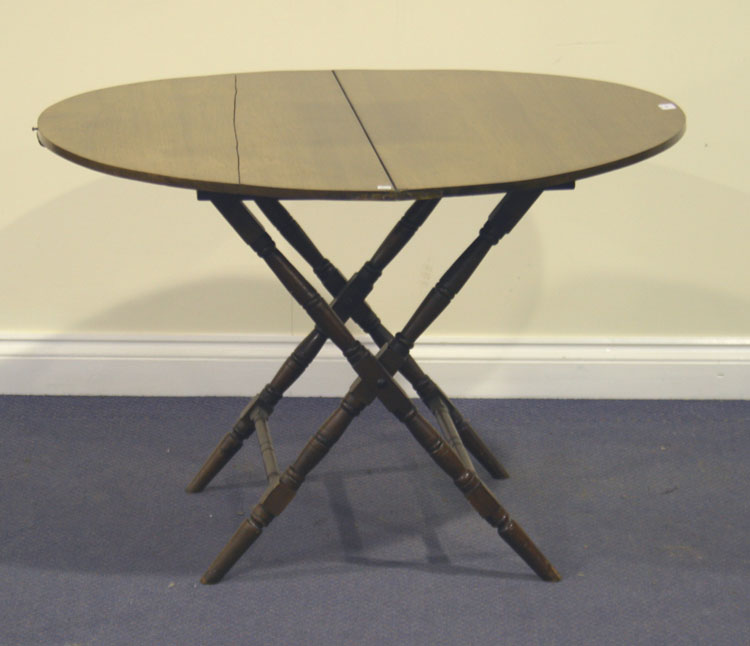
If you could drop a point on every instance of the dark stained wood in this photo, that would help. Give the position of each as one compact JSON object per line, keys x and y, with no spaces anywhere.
{"x":361,"y":134}
{"x":177,"y":132}
{"x":467,"y":131}
{"x":267,"y":452}
{"x":433,"y":396}
{"x":374,"y":380}
{"x":443,"y":415}
{"x":349,"y":295}
{"x":500,"y":222}
{"x":348,"y":303}
{"x":298,"y":136}
{"x":290,"y":134}
{"x":481,"y":498}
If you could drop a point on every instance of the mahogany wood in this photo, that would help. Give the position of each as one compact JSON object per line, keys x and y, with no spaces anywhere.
{"x":346,"y":300}
{"x":361,"y":134}
{"x":375,"y":380}
{"x":501,"y":221}
{"x":366,"y":318}
{"x":177,"y":132}
{"x":305,"y":353}
{"x":392,"y":355}
{"x":452,"y":132}
{"x":441,"y":412}
{"x":431,"y":394}
{"x":333,"y":280}
{"x":267,"y":452}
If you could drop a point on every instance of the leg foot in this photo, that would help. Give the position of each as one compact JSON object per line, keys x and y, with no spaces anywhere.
{"x":242,"y":539}
{"x":480,"y":497}
{"x":223,"y":452}
{"x":478,"y":448}
{"x":522,"y":545}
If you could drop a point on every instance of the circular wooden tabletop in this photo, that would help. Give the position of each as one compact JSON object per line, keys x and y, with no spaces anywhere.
{"x":362,"y":134}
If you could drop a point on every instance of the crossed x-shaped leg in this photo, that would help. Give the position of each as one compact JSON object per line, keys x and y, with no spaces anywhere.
{"x":375,"y":373}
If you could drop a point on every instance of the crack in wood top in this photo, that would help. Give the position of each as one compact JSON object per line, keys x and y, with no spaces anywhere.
{"x":362,"y":134}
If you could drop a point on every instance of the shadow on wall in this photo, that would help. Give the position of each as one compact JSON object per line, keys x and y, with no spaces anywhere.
{"x":235,"y":302}
{"x":115,"y":257}
{"x":118,"y":256}
{"x":664,"y":255}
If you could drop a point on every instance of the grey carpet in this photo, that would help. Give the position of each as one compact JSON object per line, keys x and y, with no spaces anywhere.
{"x":642,"y":506}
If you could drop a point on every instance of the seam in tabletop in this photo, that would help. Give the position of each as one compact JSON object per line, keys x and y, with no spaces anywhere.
{"x":364,"y":130}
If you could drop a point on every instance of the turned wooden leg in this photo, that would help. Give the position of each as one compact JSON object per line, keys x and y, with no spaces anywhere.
{"x":349,"y":294}
{"x":480,"y":497}
{"x":280,"y":493}
{"x":434,"y":398}
{"x":370,"y":323}
{"x":375,"y":380}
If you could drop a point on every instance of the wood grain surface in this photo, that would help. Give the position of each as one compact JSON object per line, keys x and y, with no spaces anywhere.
{"x":298,"y":134}
{"x":442,"y":130}
{"x":177,"y":132}
{"x":361,"y":134}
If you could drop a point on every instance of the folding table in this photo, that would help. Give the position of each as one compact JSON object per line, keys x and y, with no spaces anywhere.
{"x":363,"y":135}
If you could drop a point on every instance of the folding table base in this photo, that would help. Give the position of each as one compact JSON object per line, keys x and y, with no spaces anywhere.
{"x":346,"y":306}
{"x":375,"y":373}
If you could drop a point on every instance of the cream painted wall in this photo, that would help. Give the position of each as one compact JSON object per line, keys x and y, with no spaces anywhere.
{"x":658,"y":249}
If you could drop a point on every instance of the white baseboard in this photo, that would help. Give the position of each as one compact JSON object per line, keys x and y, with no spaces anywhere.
{"x":184,"y":365}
